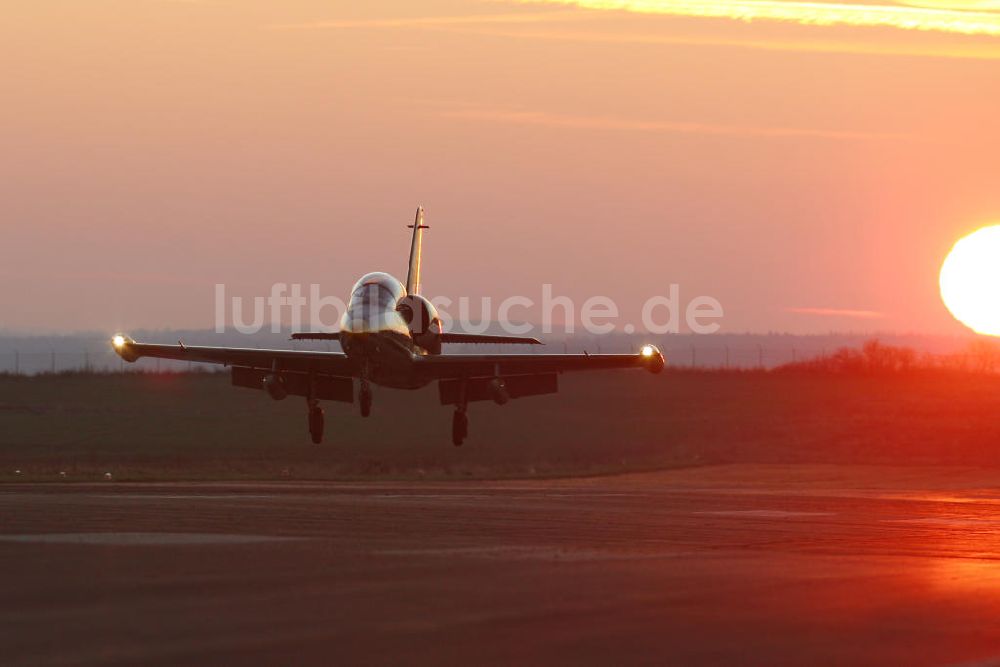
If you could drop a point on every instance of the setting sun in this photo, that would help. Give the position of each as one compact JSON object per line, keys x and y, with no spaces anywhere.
{"x":970,"y":281}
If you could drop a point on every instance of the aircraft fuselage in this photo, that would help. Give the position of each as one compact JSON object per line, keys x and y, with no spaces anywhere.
{"x":376,"y":335}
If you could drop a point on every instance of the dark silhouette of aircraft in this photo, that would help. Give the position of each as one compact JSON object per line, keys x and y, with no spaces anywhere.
{"x":391,"y":336}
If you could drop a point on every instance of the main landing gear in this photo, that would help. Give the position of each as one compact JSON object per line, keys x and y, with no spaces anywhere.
{"x":459,"y":426}
{"x":460,"y":420}
{"x":315,"y":421}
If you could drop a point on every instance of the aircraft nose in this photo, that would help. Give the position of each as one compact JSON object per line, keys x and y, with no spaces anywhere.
{"x":363,"y":321}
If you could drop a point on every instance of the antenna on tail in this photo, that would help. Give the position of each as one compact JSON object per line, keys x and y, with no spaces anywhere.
{"x":413,"y":274}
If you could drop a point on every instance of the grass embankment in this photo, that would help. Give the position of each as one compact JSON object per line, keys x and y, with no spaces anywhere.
{"x":198,"y":427}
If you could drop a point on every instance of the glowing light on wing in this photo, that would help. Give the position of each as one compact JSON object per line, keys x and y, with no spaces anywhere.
{"x":903,"y":17}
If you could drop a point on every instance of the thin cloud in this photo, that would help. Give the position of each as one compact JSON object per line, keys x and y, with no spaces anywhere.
{"x":839,"y":312}
{"x":568,"y":121}
{"x":974,"y":5}
{"x":519,"y":26}
{"x":437,"y":21}
{"x":903,"y":17}
{"x":975,"y":51}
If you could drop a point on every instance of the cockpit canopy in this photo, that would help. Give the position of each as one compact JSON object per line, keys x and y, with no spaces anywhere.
{"x":377,"y":290}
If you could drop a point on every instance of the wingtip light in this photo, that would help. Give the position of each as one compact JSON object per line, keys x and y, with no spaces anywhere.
{"x":652,"y":358}
{"x":123,"y":347}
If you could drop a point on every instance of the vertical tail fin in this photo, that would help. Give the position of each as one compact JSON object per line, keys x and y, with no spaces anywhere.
{"x":413,"y":275}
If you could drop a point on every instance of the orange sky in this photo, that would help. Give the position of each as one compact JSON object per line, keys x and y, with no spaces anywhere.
{"x":810,"y":177}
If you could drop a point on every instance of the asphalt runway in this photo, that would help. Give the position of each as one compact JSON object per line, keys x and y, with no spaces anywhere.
{"x":767,"y":565}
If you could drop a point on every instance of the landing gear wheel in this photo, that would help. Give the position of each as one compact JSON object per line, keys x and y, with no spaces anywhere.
{"x":459,"y":428}
{"x":365,"y":399}
{"x":316,"y":424}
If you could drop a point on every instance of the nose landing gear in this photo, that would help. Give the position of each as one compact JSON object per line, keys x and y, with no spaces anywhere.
{"x":365,"y":398}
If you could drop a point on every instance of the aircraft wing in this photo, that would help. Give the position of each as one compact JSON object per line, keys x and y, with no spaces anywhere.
{"x":327,"y":363}
{"x":454,"y":366}
{"x":473,"y":339}
{"x":477,"y":339}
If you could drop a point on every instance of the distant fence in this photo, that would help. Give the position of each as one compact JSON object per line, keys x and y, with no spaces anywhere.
{"x":34,"y":363}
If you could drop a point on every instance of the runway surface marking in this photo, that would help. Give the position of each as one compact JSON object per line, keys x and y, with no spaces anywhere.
{"x":187,"y":496}
{"x":765,"y":514}
{"x":142,"y":539}
{"x":542,"y":553}
{"x":331,"y":494}
{"x":947,"y":521}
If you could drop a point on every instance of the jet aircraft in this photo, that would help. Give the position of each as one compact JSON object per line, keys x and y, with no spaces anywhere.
{"x":391,"y":336}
